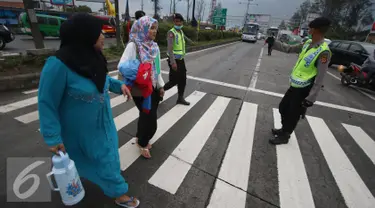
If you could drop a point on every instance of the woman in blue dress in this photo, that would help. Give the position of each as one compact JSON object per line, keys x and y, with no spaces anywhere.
{"x":74,"y":107}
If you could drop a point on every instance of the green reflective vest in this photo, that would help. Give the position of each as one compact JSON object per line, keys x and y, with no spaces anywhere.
{"x":305,"y":70}
{"x":178,"y":43}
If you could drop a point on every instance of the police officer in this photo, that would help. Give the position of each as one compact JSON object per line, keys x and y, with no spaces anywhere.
{"x":306,"y":78}
{"x":139,"y":14}
{"x":176,"y":53}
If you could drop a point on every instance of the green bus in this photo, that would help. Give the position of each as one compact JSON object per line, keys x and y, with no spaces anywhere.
{"x":48,"y":25}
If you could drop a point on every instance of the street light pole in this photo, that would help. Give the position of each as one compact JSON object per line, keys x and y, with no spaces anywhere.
{"x":37,"y":36}
{"x":118,"y":30}
{"x":194,"y":22}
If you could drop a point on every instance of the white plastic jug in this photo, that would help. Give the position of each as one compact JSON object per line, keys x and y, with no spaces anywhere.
{"x":67,"y":179}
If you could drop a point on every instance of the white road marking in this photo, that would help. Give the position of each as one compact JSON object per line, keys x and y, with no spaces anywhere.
{"x":294,"y":186}
{"x":129,"y":116}
{"x":172,"y":172}
{"x":34,"y":116}
{"x":226,"y":196}
{"x":19,"y":104}
{"x":129,"y":152}
{"x":275,"y":94}
{"x":363,"y":140}
{"x":30,"y":91}
{"x":235,"y":168}
{"x":352,"y":188}
{"x":357,"y":88}
{"x":233,"y":86}
{"x":254,"y":78}
{"x":164,"y":59}
{"x":28,"y":118}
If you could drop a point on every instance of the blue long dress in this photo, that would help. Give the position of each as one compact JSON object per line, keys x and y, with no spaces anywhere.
{"x":73,"y":112}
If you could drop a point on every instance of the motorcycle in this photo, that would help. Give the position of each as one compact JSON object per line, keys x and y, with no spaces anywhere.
{"x":353,"y":75}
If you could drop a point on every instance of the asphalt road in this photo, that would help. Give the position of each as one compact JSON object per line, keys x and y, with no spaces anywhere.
{"x":23,"y":42}
{"x":215,"y":153}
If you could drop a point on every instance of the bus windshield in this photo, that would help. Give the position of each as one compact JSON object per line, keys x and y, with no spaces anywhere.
{"x":273,"y":31}
{"x":251,"y":29}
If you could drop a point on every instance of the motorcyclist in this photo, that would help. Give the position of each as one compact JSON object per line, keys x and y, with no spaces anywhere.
{"x":369,"y":67}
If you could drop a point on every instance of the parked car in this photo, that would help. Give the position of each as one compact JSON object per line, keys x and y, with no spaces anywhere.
{"x":347,"y":52}
{"x":6,"y":36}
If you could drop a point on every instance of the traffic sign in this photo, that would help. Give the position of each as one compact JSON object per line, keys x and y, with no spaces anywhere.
{"x":220,"y":17}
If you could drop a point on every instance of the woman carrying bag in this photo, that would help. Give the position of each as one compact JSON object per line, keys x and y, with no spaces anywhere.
{"x":139,"y":68}
{"x":74,"y":107}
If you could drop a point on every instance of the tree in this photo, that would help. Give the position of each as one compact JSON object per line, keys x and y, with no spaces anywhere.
{"x":348,"y":17}
{"x":282,"y":25}
{"x":157,"y":9}
{"x":201,"y":6}
{"x":82,"y":8}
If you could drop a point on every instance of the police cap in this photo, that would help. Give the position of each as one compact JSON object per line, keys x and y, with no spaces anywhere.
{"x":320,"y":23}
{"x":178,"y":16}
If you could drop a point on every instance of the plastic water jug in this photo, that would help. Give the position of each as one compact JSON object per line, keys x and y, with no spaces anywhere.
{"x":67,"y":179}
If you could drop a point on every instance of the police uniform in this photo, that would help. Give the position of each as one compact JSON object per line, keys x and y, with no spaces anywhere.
{"x":176,"y":54}
{"x":306,"y":80}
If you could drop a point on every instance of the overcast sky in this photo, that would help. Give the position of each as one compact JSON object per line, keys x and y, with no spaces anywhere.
{"x":276,"y":8}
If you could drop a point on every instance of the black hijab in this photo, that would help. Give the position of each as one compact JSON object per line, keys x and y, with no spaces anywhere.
{"x":78,"y":36}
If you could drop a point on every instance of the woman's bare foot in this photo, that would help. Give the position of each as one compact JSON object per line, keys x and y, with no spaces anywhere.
{"x":126,"y":201}
{"x":145,"y":153}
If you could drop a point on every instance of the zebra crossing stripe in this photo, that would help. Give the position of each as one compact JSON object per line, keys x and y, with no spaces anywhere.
{"x":129,"y":116}
{"x":353,"y":189}
{"x":172,"y":172}
{"x":363,"y":140}
{"x":238,"y":158}
{"x":29,"y":117}
{"x":19,"y":104}
{"x":129,"y":152}
{"x":30,"y":91}
{"x":294,"y":186}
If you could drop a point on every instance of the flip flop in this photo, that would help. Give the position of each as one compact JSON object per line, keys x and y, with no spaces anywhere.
{"x":127,"y":203}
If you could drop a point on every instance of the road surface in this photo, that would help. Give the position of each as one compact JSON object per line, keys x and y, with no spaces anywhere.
{"x":24,"y":42}
{"x":215,"y":153}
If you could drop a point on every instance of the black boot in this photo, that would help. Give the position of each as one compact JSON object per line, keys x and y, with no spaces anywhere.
{"x":277,"y":131}
{"x":182,"y":101}
{"x":282,"y":138}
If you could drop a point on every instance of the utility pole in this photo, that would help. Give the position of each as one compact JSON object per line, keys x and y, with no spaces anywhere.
{"x":247,"y":10}
{"x":142,"y":5}
{"x":118,"y":30}
{"x":174,"y":6}
{"x":37,"y":36}
{"x":194,"y":22}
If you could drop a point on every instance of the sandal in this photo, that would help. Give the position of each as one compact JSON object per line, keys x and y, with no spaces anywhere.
{"x":127,"y":203}
{"x":149,"y":146}
{"x":145,"y":153}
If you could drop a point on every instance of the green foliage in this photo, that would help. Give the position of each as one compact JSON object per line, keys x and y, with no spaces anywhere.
{"x":21,"y":64}
{"x":204,"y":35}
{"x":348,"y":17}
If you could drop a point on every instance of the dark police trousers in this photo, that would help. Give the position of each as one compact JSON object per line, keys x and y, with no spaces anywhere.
{"x":290,"y":107}
{"x":177,"y":77}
